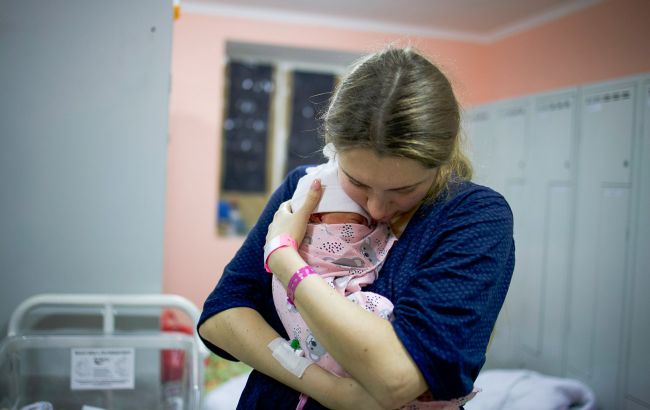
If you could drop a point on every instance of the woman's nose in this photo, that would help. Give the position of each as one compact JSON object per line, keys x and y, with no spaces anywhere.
{"x":377,"y":207}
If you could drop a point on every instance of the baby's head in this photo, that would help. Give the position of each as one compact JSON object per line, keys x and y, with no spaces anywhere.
{"x":338,"y":218}
{"x":335,"y":205}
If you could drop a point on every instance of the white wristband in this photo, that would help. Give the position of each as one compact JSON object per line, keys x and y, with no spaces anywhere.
{"x":280,"y":241}
{"x":284,"y":354}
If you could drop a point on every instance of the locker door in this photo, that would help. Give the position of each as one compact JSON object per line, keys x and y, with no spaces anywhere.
{"x":638,"y":362}
{"x":507,"y":177}
{"x":601,"y":240}
{"x":510,"y":145}
{"x":479,"y":135}
{"x":546,"y":233}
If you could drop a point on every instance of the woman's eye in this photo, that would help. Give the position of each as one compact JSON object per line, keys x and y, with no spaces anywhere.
{"x":406,"y":190}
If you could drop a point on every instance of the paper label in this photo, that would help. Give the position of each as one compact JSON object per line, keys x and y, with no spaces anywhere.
{"x":102,"y":369}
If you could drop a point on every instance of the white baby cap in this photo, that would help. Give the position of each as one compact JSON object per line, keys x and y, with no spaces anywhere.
{"x":334,"y":199}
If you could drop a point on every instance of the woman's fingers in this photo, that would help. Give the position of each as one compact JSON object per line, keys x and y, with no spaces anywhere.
{"x":313,"y":197}
{"x":286,"y":206}
{"x":294,"y":221}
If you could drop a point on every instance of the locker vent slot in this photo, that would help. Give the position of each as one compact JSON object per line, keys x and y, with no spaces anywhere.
{"x":555,"y":106}
{"x":605,"y":98}
{"x":513,"y":112}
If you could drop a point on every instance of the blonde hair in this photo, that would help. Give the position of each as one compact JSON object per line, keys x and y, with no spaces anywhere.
{"x":398,"y":103}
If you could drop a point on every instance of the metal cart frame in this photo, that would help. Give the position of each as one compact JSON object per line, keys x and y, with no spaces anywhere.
{"x":107,"y":305}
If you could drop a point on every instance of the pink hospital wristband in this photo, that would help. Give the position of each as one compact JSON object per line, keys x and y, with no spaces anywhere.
{"x":281,"y":241}
{"x":295,"y":280}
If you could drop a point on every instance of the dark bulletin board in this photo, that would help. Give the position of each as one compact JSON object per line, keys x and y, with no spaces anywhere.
{"x":246,"y":127}
{"x":310,"y":95}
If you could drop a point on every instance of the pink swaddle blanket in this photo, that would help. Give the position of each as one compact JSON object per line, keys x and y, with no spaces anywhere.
{"x":348,"y":257}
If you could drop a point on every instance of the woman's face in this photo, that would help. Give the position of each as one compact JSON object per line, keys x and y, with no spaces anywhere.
{"x":386,"y":187}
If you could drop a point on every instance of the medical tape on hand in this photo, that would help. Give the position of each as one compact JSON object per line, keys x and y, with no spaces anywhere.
{"x":284,"y":353}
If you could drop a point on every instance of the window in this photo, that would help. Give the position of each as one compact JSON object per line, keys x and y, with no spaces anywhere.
{"x":245,"y":128}
{"x":310,"y":94}
{"x":274,"y":96}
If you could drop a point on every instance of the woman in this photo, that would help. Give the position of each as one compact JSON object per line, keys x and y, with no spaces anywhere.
{"x":394,"y":122}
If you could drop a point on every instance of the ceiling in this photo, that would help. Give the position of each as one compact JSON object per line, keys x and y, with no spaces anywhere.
{"x":469,"y":20}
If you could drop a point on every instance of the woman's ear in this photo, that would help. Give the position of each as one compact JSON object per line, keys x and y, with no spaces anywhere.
{"x":329,"y":151}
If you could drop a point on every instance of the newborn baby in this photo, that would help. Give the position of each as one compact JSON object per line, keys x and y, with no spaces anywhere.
{"x":345,"y":248}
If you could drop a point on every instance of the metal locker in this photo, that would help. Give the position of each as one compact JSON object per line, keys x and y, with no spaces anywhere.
{"x":511,"y":139}
{"x":546,"y":232}
{"x":478,"y":128}
{"x":594,"y":338}
{"x":510,"y":130}
{"x":504,"y":172}
{"x":637,"y":386}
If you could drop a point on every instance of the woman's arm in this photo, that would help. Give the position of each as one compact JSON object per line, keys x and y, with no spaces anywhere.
{"x":243,"y":333}
{"x":364,"y":344}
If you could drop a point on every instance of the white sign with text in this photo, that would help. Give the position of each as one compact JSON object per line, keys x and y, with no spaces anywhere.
{"x":102,"y":369}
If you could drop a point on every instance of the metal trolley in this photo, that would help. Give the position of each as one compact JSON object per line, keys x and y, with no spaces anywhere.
{"x":105,"y":367}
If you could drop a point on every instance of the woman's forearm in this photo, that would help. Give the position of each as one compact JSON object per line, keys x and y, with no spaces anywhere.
{"x":363,"y":343}
{"x":243,"y":333}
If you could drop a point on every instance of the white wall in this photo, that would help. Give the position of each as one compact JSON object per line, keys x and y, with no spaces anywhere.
{"x":83,"y":127}
{"x":573,"y":165}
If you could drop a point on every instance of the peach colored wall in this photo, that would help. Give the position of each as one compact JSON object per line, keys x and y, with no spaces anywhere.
{"x":194,"y":256}
{"x":605,"y":41}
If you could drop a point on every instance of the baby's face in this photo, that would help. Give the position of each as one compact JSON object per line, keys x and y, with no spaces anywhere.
{"x":338,"y":218}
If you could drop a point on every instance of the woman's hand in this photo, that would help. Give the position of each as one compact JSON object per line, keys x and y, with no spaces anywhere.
{"x":284,"y":261}
{"x":294,"y":222}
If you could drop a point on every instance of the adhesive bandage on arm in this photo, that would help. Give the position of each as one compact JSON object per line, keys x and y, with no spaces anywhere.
{"x":284,"y":353}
